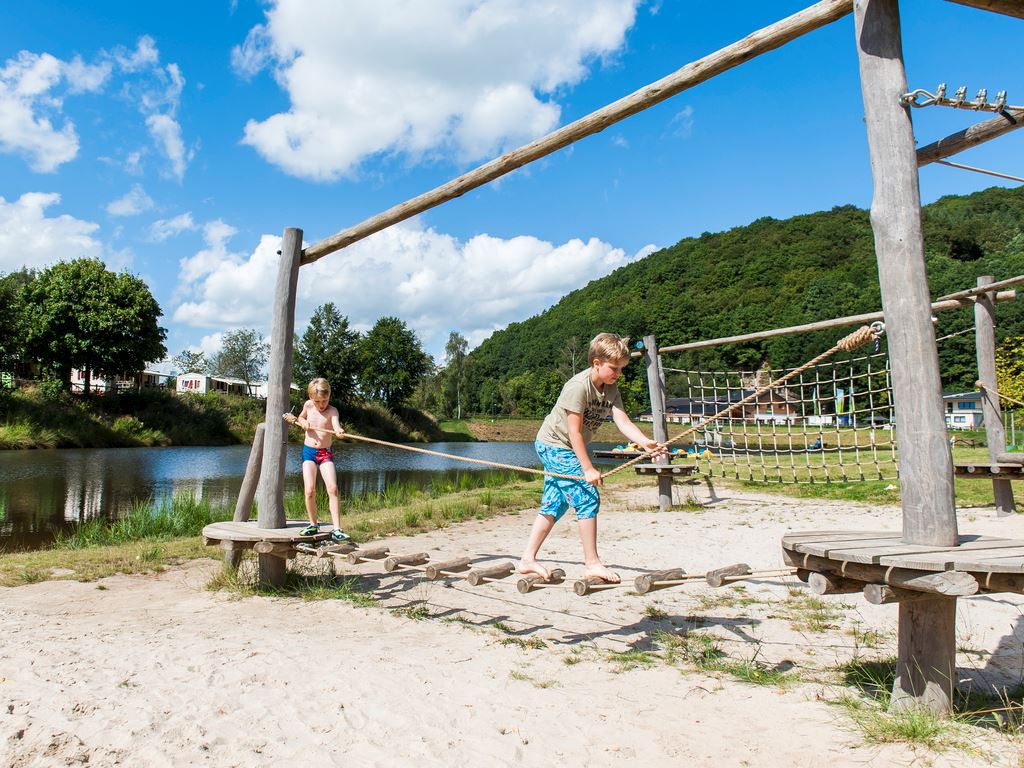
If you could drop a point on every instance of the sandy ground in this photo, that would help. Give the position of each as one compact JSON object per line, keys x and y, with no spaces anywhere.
{"x":158,"y":671}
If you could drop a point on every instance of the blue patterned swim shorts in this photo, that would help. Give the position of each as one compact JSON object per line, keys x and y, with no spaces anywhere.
{"x":560,"y":493}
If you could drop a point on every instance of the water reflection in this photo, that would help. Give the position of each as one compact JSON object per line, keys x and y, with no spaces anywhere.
{"x":42,"y":492}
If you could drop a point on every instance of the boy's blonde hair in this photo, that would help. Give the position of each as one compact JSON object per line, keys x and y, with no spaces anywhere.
{"x":320,"y":387}
{"x":608,"y":347}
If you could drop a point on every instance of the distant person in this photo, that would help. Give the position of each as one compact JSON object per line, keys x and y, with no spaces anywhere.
{"x":320,"y":420}
{"x":585,"y":402}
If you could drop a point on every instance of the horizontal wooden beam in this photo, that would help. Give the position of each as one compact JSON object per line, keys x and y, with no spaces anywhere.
{"x":1007,"y":121}
{"x":821,"y":325}
{"x":766,"y":39}
{"x":1008,"y":7}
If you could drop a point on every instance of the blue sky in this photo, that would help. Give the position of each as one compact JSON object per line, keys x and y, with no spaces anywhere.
{"x":177,"y":141}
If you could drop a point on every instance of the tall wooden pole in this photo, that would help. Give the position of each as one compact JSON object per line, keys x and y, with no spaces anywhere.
{"x":985,"y":338}
{"x":926,"y":663}
{"x":656,"y":387}
{"x":279,"y":378}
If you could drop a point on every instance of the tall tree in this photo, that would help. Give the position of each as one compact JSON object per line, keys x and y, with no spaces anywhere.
{"x":84,"y":316}
{"x":392,"y":362}
{"x":243,"y":354}
{"x":455,"y":370}
{"x":188,"y":361}
{"x":13,"y":318}
{"x":328,"y":348}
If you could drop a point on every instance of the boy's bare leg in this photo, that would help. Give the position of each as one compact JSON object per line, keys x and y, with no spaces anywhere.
{"x":542,"y":526}
{"x":592,"y":563}
{"x":330,"y":476}
{"x":309,"y":486}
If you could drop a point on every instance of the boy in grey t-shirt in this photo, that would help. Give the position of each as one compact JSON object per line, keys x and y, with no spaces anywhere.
{"x":586,"y":400}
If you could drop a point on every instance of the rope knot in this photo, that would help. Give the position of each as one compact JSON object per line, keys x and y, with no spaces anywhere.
{"x":858,"y":338}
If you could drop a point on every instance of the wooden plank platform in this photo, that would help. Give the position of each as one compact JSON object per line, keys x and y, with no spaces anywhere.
{"x":250,"y":532}
{"x":990,"y":471}
{"x":881,"y":551}
{"x":680,"y":470}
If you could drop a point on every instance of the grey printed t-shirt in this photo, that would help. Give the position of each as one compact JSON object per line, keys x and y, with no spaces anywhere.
{"x":579,"y":395}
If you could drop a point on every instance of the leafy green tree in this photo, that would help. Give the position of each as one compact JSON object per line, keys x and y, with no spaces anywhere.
{"x":328,"y":349}
{"x":84,"y":316}
{"x":188,"y":361}
{"x":392,"y":362}
{"x":243,"y":354}
{"x":12,"y":318}
{"x":455,"y":374}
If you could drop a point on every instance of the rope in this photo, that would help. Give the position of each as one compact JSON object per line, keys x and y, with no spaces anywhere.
{"x":485,"y":462}
{"x":979,"y":170}
{"x":996,"y":392}
{"x":858,"y":338}
{"x":848,"y":343}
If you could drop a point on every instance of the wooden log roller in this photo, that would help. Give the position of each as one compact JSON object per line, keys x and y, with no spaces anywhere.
{"x":654,"y":580}
{"x":590,"y":584}
{"x":719,"y":577}
{"x":447,"y":567}
{"x":394,"y":562}
{"x":532,"y":581}
{"x":489,"y":573}
{"x":378,"y":552}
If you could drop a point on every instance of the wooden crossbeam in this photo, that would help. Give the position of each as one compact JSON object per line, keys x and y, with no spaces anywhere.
{"x":1008,"y":7}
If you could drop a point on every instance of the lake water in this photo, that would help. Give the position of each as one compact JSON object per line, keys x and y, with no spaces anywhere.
{"x":42,"y":492}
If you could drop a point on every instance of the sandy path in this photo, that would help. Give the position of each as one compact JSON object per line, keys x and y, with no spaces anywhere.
{"x":156,"y":670}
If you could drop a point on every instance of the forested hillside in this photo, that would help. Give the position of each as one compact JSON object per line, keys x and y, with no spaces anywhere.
{"x":768,"y":274}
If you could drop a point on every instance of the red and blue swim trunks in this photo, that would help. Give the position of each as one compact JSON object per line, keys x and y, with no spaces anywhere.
{"x":317,"y":455}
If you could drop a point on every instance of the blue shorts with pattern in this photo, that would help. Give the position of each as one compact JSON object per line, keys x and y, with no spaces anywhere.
{"x":560,"y":493}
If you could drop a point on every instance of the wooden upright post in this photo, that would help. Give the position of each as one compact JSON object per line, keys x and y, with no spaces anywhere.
{"x":279,"y":378}
{"x":247,"y":492}
{"x":656,"y":387}
{"x":926,"y":663}
{"x":985,"y":336}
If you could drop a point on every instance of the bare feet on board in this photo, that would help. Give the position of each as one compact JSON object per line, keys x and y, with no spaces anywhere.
{"x":598,"y":570}
{"x":532,"y":566}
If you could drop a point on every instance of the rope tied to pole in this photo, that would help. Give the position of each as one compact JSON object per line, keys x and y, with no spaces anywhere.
{"x":983,"y":386}
{"x":848,"y":343}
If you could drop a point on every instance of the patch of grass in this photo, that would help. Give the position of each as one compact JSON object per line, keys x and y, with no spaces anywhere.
{"x":305,"y":586}
{"x":517,"y":675}
{"x":525,"y":643}
{"x":502,"y":627}
{"x":809,"y":613}
{"x":415,"y":612}
{"x":756,"y":672}
{"x":655,"y":612}
{"x":626,"y":660}
{"x":698,"y":649}
{"x":573,"y":657}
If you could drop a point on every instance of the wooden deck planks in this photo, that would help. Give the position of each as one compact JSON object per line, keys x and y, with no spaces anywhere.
{"x":229,"y":530}
{"x":977,"y":554}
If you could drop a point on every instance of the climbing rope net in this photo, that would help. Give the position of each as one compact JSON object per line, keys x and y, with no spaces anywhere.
{"x":831,"y":422}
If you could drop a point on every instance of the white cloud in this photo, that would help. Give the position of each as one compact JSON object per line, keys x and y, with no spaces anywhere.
{"x":468,"y":76}
{"x":28,"y":238}
{"x":132,"y":204}
{"x":29,"y":97}
{"x":164,"y":229}
{"x":682,"y":122}
{"x":214,"y":257}
{"x":431,"y":280}
{"x":32,"y":87}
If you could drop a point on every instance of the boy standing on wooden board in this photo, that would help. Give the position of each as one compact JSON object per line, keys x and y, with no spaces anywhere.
{"x":586,"y":400}
{"x":320,"y":419}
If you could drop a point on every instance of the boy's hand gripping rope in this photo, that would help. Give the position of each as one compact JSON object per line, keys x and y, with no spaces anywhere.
{"x":858,"y":338}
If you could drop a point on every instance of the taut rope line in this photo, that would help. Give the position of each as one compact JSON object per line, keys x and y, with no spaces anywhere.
{"x":861,"y":336}
{"x":858,"y":338}
{"x":996,"y":392}
{"x":485,"y":462}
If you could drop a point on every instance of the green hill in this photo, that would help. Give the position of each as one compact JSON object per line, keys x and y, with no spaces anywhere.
{"x":768,"y":274}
